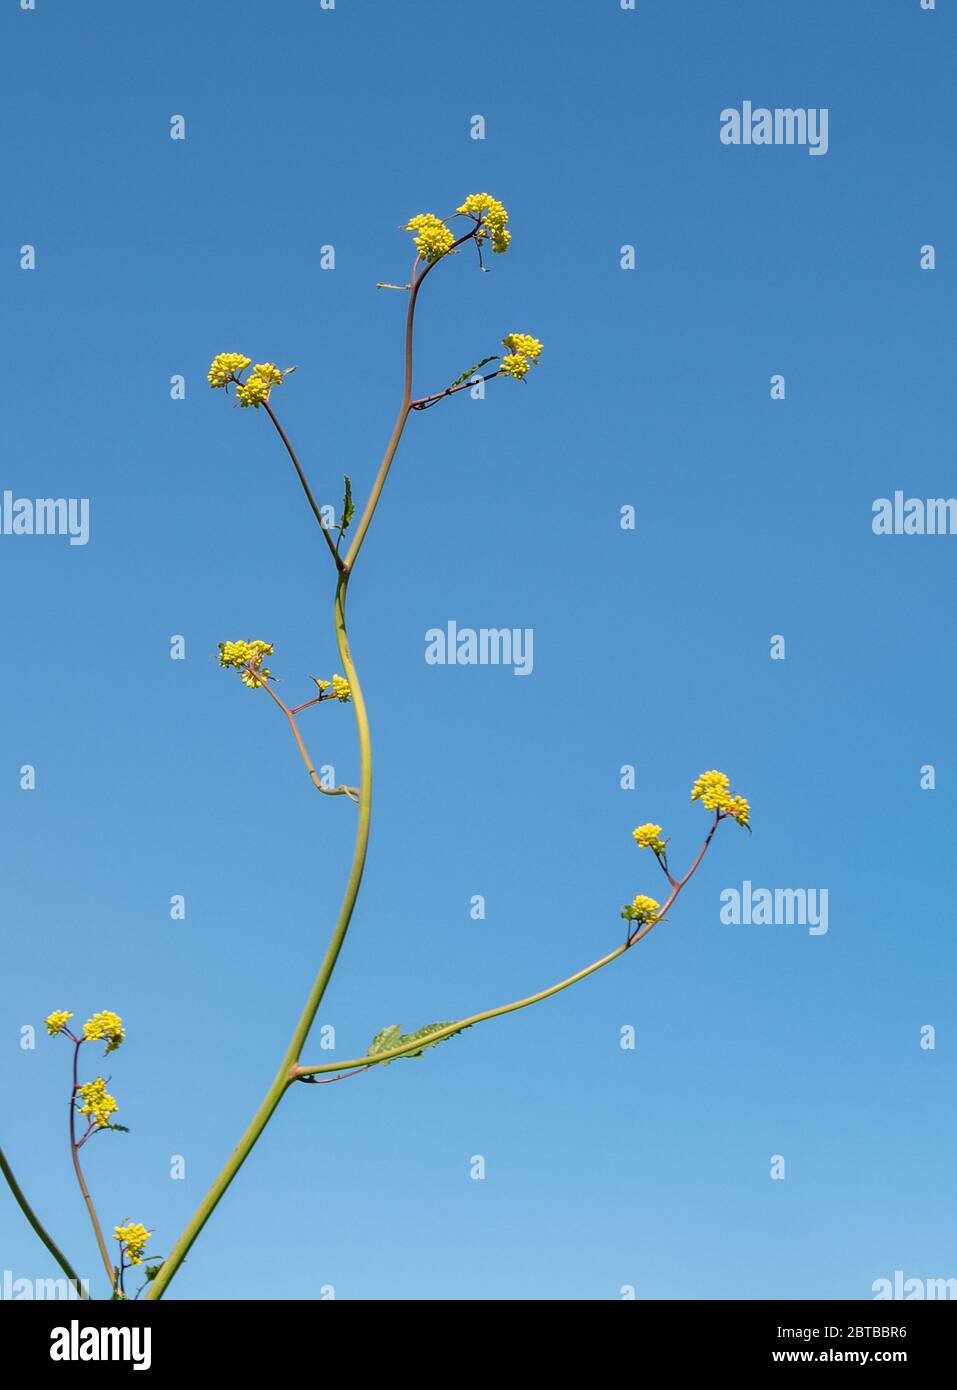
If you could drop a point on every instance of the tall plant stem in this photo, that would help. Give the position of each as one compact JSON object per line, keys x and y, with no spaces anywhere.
{"x":75,"y":1152}
{"x":285,"y":1076}
{"x":38,"y":1226}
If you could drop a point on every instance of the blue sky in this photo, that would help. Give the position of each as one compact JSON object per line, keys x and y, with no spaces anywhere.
{"x":604,"y":1168}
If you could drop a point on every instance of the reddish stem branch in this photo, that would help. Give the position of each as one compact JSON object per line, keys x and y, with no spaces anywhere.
{"x":75,"y":1152}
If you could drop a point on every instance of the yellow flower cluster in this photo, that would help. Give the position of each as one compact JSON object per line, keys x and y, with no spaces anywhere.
{"x":491,"y":215}
{"x":97,"y":1103}
{"x":649,"y":837}
{"x":433,"y":238}
{"x":341,"y":689}
{"x":641,"y":909}
{"x":132,"y":1237}
{"x":523,"y":343}
{"x":255,"y":389}
{"x":644,"y":908}
{"x":515,"y":365}
{"x":523,"y":352}
{"x":247,"y":658}
{"x":107,"y":1026}
{"x":713,"y":790}
{"x":225,"y":367}
{"x":55,"y":1023}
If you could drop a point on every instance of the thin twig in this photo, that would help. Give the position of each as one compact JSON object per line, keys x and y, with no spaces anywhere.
{"x":305,"y":483}
{"x":425,"y":402}
{"x":351,"y":792}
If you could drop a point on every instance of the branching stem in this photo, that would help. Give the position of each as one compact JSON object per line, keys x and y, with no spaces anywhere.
{"x":290,"y":1070}
{"x":299,"y":1072}
{"x":81,"y":1180}
{"x":351,"y":792}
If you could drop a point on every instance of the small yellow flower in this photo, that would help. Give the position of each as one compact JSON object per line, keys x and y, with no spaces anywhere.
{"x":491,"y":217}
{"x":433,"y":239}
{"x":341,"y":688}
{"x":478,"y":204}
{"x":523,"y":343}
{"x":649,"y":837}
{"x":55,"y":1023}
{"x":523,"y":352}
{"x":253,"y":391}
{"x":105,"y":1025}
{"x":323,"y":685}
{"x":97,"y":1103}
{"x":268,"y":372}
{"x":515,"y":365}
{"x":641,"y":909}
{"x":711,"y":789}
{"x":225,"y":368}
{"x":132,"y":1238}
{"x":247,"y":658}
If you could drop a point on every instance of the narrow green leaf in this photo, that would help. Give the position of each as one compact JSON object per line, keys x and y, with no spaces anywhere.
{"x":348,"y":506}
{"x":385,"y":1040}
{"x":476,"y":368}
{"x":390,"y":1038}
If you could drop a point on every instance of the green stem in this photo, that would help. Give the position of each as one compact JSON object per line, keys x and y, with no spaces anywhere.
{"x":284,"y":1076}
{"x":37,"y":1225}
{"x":452,"y":1028}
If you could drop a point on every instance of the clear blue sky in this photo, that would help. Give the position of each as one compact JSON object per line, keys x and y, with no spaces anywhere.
{"x":307,"y":128}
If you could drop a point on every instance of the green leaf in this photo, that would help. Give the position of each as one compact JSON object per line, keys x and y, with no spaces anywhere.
{"x":151,"y":1272}
{"x":424,"y":1033}
{"x":348,"y":506}
{"x":385,"y":1040}
{"x":472,"y":370}
{"x":124,"y":1129}
{"x":390,"y":1038}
